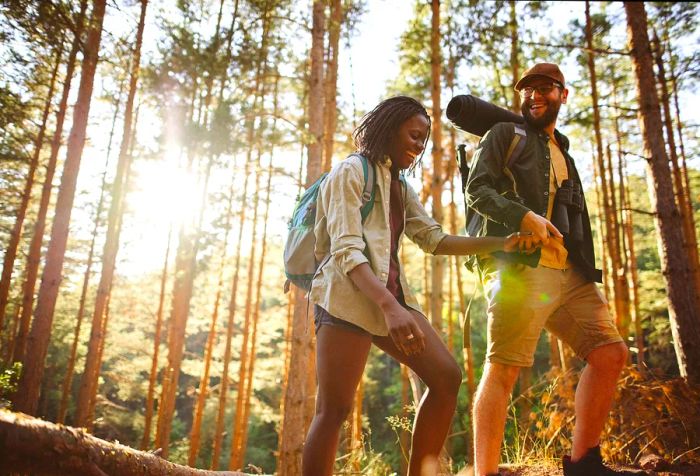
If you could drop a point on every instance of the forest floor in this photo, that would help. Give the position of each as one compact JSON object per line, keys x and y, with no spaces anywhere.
{"x":531,"y":470}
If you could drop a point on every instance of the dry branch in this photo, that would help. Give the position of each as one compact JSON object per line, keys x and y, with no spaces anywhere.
{"x":28,"y":444}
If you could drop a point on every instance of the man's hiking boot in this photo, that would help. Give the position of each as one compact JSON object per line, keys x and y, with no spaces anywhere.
{"x":592,"y":465}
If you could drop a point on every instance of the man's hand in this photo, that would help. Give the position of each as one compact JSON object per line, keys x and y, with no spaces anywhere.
{"x":541,"y":230}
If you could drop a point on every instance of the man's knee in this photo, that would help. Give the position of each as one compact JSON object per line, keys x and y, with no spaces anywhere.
{"x":501,"y":375}
{"x":610,"y":357}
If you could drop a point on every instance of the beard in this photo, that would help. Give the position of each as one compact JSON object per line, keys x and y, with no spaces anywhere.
{"x":549,"y":116}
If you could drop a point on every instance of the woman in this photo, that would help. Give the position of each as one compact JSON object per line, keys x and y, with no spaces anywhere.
{"x":360,"y":293}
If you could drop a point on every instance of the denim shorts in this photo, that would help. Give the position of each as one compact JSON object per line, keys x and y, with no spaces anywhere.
{"x":323,"y":318}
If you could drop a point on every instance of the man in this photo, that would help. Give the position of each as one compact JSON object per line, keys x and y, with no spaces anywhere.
{"x":551,"y":284}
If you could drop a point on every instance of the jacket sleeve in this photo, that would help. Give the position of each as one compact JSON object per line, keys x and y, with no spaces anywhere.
{"x":421,"y":228}
{"x":485,"y":190}
{"x":342,"y":194}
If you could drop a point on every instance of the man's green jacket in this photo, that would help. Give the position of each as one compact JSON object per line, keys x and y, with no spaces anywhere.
{"x":498,"y":197}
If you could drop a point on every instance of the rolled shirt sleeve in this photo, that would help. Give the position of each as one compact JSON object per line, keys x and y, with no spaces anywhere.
{"x":421,"y":228}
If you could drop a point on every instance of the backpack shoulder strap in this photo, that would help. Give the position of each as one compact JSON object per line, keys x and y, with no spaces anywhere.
{"x":368,"y":193}
{"x":517,"y":145}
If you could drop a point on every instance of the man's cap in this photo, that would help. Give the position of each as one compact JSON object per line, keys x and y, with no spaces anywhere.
{"x":546,"y":70}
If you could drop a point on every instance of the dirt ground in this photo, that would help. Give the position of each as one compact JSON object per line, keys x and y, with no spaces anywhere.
{"x":676,"y":470}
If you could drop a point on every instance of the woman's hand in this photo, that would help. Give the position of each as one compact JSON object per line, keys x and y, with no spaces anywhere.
{"x":404,"y":329}
{"x":521,"y":241}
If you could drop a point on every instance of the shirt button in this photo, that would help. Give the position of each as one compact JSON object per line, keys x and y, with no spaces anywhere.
{"x":546,"y":193}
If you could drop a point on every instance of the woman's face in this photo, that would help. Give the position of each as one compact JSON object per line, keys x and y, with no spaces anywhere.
{"x":409,"y":141}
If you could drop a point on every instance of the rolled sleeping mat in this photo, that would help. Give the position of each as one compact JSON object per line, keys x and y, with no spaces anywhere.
{"x":476,"y":116}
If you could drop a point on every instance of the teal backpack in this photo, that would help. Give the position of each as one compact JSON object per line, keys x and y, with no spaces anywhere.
{"x":300,"y":264}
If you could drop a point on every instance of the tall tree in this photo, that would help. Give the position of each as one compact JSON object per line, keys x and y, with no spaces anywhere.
{"x":684,"y":314}
{"x":31,"y":272}
{"x":437,"y":263}
{"x":27,"y":396}
{"x":330,"y":112}
{"x":111,"y":246}
{"x":296,"y":395}
{"x":610,"y":221}
{"x":8,"y":263}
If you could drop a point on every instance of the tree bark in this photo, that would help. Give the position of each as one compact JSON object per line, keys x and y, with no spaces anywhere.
{"x":33,"y":365}
{"x":611,"y":230}
{"x":8,"y":263}
{"x":297,"y":392}
{"x":514,"y":51}
{"x":68,"y":379}
{"x":34,"y":255}
{"x":148,"y":416}
{"x":330,"y":111}
{"x":683,"y":313}
{"x":111,"y":246}
{"x":690,"y":238}
{"x":42,"y":448}
{"x":437,"y":263}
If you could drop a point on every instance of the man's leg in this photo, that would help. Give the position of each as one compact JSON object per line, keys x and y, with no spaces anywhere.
{"x":489,"y":416}
{"x":594,"y":395}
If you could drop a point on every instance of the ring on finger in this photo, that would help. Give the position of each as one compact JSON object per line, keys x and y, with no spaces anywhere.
{"x":410,"y":337}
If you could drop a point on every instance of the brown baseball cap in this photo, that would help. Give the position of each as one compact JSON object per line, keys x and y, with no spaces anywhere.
{"x":547,"y":70}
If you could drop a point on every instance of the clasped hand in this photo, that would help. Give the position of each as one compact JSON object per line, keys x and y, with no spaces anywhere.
{"x":535,"y":231}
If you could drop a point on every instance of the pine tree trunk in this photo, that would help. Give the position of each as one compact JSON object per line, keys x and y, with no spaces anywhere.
{"x":633,"y":277}
{"x":258,"y":301}
{"x":203,"y":390}
{"x":611,"y":231}
{"x":235,"y":454}
{"x":8,"y":263}
{"x":330,"y":112}
{"x":148,"y":416}
{"x":33,"y":364}
{"x":223,"y":387}
{"x":34,"y":255}
{"x":683,"y":312}
{"x":437,"y":264}
{"x":514,"y":51}
{"x":68,"y":379}
{"x":297,"y":391}
{"x":111,"y":246}
{"x":689,"y":235}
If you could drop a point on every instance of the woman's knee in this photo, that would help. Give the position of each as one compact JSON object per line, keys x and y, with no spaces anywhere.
{"x":446,"y":379}
{"x":333,"y":413}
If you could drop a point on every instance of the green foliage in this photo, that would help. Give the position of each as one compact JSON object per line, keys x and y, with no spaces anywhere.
{"x":9,"y":379}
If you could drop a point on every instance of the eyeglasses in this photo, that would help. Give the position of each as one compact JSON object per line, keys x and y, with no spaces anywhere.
{"x":543,"y":89}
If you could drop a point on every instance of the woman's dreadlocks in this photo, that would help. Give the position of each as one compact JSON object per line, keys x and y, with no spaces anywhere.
{"x":379,"y":126}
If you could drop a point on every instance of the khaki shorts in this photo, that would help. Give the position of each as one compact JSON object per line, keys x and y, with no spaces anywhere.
{"x":522,"y":300}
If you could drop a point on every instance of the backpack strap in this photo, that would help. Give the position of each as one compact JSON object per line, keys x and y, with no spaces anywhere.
{"x":517,"y":145}
{"x":368,"y":193}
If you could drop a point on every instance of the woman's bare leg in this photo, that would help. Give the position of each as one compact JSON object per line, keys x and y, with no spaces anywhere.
{"x":341,"y":355}
{"x":441,"y":373}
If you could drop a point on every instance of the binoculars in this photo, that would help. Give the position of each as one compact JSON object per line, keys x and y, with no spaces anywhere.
{"x":568,"y":205}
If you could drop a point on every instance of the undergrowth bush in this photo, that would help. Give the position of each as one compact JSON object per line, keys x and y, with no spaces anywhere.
{"x":650,"y":415}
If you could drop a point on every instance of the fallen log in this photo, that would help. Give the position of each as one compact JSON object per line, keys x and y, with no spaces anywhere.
{"x":28,"y":444}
